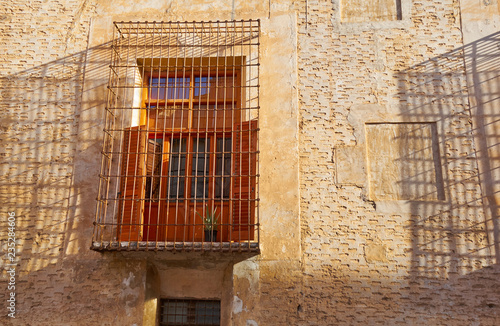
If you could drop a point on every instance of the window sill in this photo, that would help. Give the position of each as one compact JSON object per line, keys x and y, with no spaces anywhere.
{"x":246,"y":246}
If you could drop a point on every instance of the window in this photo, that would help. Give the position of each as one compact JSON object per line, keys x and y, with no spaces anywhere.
{"x":175,"y":312}
{"x":201,"y":146}
{"x":181,"y":140}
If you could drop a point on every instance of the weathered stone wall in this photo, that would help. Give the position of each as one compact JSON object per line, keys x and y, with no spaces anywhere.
{"x":480,"y":29}
{"x":350,"y":235}
{"x":47,"y":169}
{"x":54,"y":73}
{"x":372,"y":255}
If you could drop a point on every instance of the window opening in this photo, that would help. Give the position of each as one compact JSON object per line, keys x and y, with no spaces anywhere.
{"x":177,"y":169}
{"x":181,"y":138}
{"x":200,"y":169}
{"x":223,"y":168}
{"x":176,"y":312}
{"x":153,"y":168}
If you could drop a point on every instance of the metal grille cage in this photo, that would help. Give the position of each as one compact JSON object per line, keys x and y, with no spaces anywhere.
{"x":180,"y":151}
{"x":174,"y":312}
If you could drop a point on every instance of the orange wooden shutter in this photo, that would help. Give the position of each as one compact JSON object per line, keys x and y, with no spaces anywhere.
{"x":243,"y":181}
{"x":132,"y":184}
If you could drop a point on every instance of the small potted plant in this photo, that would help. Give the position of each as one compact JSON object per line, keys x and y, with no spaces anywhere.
{"x":210,"y":222}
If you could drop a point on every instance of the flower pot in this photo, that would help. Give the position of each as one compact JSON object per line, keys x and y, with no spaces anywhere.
{"x":210,"y":235}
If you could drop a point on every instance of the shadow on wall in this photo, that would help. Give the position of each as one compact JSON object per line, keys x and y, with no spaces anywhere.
{"x":456,"y":240}
{"x":50,"y":145}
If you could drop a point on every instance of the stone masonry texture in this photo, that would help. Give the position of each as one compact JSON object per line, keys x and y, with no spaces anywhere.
{"x":332,"y":252}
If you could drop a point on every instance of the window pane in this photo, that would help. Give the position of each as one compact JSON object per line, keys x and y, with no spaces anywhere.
{"x":178,"y":88}
{"x":175,"y":88}
{"x":207,"y":313}
{"x":223,"y":168}
{"x":175,"y":313}
{"x":157,"y":88}
{"x":202,"y":85}
{"x":214,"y":87}
{"x":177,"y":168}
{"x":190,"y":312}
{"x":200,"y":167}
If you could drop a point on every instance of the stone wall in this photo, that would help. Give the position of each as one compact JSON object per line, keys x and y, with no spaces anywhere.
{"x":54,"y":74}
{"x":377,"y":167}
{"x":47,"y":173}
{"x":382,"y":244}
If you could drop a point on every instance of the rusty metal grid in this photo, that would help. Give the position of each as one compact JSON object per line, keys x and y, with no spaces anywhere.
{"x":180,"y":138}
{"x":189,"y":312}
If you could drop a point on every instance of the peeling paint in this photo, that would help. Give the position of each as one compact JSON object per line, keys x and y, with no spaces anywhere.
{"x":237,"y":305}
{"x":129,"y":279}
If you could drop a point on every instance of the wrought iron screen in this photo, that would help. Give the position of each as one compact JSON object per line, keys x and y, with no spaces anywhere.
{"x":180,"y":151}
{"x":177,"y":312}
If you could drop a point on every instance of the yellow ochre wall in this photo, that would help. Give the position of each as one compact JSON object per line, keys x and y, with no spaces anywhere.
{"x":379,"y":167}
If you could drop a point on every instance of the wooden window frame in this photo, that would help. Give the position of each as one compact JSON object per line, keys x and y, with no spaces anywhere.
{"x":186,"y":206}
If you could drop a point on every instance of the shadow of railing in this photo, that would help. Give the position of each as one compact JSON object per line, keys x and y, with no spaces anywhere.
{"x":50,"y":153}
{"x":482,"y":59}
{"x":457,"y":237}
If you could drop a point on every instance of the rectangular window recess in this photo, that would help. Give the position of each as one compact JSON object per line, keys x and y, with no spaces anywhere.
{"x":180,"y":312}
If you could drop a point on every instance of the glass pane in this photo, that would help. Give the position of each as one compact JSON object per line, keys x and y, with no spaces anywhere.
{"x":153,"y":168}
{"x":178,"y":88}
{"x":177,"y":169}
{"x":207,"y":313}
{"x":175,"y":88}
{"x":201,"y":165}
{"x":175,"y":313}
{"x":202,"y":85}
{"x":157,"y":88}
{"x":214,"y":87}
{"x":223,"y":168}
{"x":190,"y":312}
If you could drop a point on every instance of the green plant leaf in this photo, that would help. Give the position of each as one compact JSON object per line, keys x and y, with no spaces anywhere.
{"x":211,"y":219}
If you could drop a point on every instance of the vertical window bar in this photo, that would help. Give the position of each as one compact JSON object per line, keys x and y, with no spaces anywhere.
{"x":199,"y":87}
{"x":248,"y":204}
{"x":167,"y":140}
{"x":137,"y":174}
{"x":154,"y":224}
{"x":189,"y":143}
{"x":196,"y":111}
{"x":239,"y":149}
{"x":257,"y":182}
{"x":111,"y":124}
{"x":176,"y":192}
{"x":209,"y":201}
{"x":148,"y":127}
{"x":159,"y":209}
{"x":118,"y":186}
{"x":217,"y":108}
{"x":129,"y":179}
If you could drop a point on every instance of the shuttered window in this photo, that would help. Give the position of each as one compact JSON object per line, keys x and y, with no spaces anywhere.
{"x":181,"y":138}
